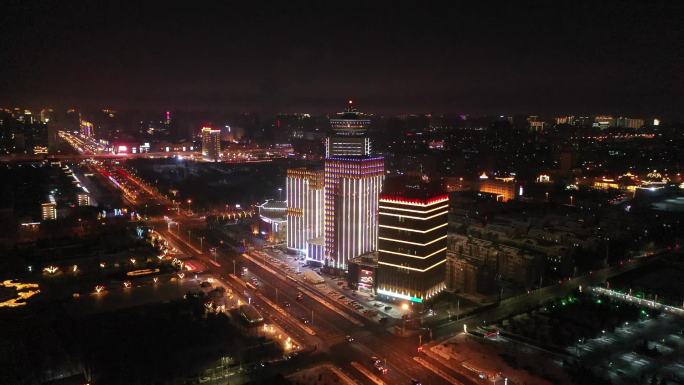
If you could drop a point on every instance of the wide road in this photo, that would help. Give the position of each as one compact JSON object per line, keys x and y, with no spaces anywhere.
{"x":370,"y":339}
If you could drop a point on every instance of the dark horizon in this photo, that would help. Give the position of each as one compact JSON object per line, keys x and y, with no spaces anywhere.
{"x":621,"y":58}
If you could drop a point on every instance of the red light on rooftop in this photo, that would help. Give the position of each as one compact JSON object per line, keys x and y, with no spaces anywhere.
{"x":422,"y":202}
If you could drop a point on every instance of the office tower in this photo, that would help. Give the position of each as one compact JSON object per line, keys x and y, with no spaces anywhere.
{"x":412,"y":241}
{"x":305,"y":202}
{"x":353,"y":181}
{"x":349,"y":134}
{"x":49,"y":209}
{"x":83,"y":199}
{"x":352,"y":187}
{"x":211,"y":144}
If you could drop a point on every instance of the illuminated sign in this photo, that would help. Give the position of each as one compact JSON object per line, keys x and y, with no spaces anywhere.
{"x":366,"y":277}
{"x":366,"y":280}
{"x":401,"y":296}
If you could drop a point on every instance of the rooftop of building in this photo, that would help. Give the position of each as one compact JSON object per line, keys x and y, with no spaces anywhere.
{"x":413,"y":189}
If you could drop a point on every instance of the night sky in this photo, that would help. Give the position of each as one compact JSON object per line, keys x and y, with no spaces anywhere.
{"x":547,"y":57}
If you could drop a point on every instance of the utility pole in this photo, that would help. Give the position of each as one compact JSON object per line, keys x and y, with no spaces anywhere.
{"x":234,"y":273}
{"x":312,"y":317}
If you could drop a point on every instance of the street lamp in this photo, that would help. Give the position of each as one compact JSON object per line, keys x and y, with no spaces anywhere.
{"x":201,"y":243}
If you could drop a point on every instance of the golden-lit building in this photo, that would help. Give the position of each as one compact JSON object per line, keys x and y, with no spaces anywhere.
{"x":412,"y":242}
{"x":49,"y":210}
{"x":211,"y":143}
{"x":83,"y":199}
{"x":606,"y":184}
{"x":505,"y":189}
{"x":305,"y":210}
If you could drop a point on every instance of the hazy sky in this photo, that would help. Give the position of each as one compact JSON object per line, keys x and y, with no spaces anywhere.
{"x":548,"y":57}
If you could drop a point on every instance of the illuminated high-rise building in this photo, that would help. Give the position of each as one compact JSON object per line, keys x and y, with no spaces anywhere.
{"x":353,"y":181}
{"x":87,"y":129}
{"x":305,"y":202}
{"x":83,"y":199}
{"x":412,"y":242}
{"x":211,"y":144}
{"x":352,"y":188}
{"x":49,"y":209}
{"x":349,"y":134}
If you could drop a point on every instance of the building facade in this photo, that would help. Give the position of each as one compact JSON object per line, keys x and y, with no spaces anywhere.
{"x":353,"y":181}
{"x":83,"y":199}
{"x":211,"y":144}
{"x":352,"y":188}
{"x":349,"y":134}
{"x":49,"y":209}
{"x":305,"y":203}
{"x":412,"y":244}
{"x":505,"y":189}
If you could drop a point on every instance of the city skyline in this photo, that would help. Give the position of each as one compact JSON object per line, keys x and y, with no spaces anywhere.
{"x":388,"y":193}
